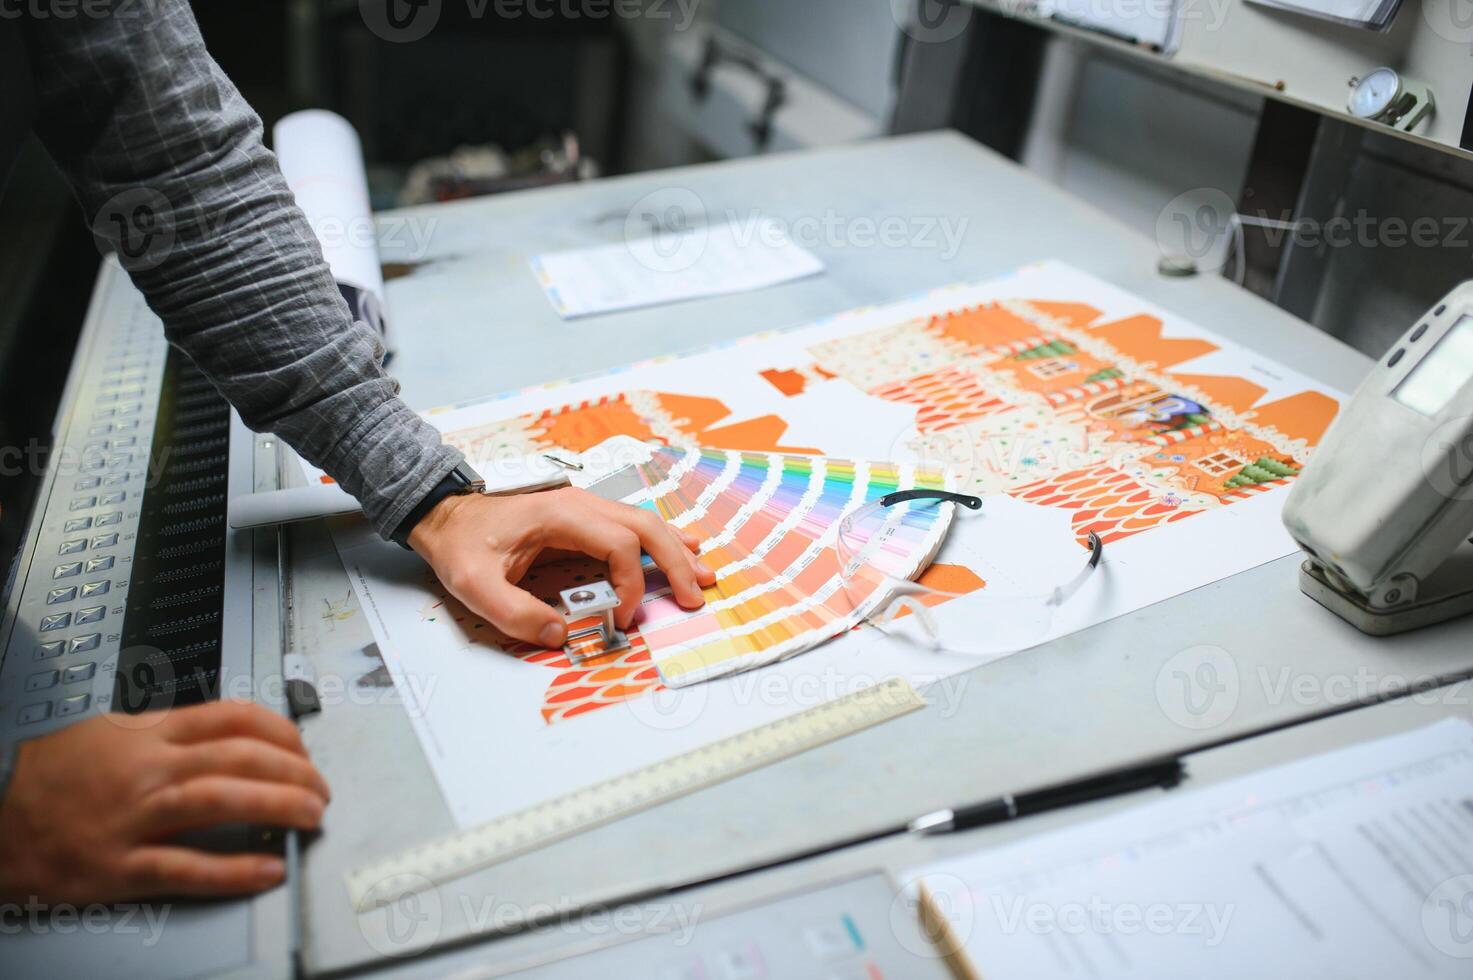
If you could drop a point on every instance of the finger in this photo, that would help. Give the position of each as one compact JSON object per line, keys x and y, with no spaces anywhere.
{"x":682,"y":569}
{"x":208,"y":801}
{"x":548,"y":555}
{"x":225,"y":719}
{"x":250,"y":758}
{"x":592,"y":532}
{"x":663,"y":544}
{"x":691,"y":549}
{"x":173,"y":871}
{"x":704,"y":575}
{"x":515,"y":611}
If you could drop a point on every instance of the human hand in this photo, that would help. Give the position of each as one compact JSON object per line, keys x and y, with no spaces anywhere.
{"x":481,"y":546}
{"x":91,"y":809}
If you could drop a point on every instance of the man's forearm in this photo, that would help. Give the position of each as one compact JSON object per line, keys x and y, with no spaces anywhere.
{"x":168,"y":162}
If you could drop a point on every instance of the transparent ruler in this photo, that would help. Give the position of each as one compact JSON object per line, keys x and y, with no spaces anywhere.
{"x":461,"y":853}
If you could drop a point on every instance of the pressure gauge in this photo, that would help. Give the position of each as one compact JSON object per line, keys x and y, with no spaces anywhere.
{"x":1385,"y":96}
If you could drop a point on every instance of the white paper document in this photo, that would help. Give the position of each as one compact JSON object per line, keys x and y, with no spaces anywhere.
{"x":707,"y":260}
{"x":1354,"y":863}
{"x":1374,"y":14}
{"x":322,"y":160}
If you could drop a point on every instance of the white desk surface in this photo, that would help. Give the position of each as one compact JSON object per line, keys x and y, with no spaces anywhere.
{"x":470,"y":321}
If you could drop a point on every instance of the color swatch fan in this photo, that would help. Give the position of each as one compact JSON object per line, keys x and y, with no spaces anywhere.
{"x":768,"y":524}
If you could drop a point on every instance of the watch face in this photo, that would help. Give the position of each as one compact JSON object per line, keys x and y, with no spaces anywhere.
{"x":1374,"y":93}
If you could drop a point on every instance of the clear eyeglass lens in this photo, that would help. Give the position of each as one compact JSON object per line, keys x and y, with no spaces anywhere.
{"x":995,"y":623}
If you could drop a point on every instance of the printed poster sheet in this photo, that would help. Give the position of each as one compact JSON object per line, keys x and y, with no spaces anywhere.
{"x":1071,"y":406}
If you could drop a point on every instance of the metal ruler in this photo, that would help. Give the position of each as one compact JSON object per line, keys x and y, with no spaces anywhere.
{"x":450,"y":857}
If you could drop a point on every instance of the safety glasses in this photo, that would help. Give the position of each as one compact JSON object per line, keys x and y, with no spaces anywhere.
{"x":986,"y":621}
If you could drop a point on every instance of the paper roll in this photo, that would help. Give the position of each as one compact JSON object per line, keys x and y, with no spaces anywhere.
{"x":322,"y":159}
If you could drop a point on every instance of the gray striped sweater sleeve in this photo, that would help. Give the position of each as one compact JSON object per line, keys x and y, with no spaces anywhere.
{"x":168,"y":162}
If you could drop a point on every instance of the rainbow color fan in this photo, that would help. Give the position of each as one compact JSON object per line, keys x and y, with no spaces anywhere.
{"x":768,"y":524}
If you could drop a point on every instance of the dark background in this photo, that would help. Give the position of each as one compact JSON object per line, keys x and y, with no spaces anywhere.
{"x":470,"y":83}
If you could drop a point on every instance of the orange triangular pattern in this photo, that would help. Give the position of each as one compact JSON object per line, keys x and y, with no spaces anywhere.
{"x":983,"y":326}
{"x":761,"y":434}
{"x":1238,"y":394}
{"x":692,"y":413}
{"x":786,"y":380}
{"x":581,"y":428}
{"x":1139,"y":337}
{"x":1303,"y":416}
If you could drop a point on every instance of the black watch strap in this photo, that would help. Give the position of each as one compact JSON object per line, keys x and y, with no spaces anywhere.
{"x":458,"y":482}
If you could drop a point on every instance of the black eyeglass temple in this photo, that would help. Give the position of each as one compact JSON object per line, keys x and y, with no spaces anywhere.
{"x":1096,"y":549}
{"x":1096,"y":546}
{"x":900,"y":496}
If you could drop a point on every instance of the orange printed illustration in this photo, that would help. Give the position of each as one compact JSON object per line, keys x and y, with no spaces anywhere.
{"x":1052,"y":403}
{"x":1058,"y":406}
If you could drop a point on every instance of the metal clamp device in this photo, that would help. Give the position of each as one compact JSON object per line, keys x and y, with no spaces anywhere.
{"x":581,"y":601}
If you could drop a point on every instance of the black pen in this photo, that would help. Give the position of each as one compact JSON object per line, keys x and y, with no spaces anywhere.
{"x":1164,"y":774}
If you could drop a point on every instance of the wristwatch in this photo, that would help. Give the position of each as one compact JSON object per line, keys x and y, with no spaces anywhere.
{"x":457,"y":483}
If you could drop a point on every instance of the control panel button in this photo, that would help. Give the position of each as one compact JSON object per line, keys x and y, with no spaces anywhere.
{"x":48,"y":650}
{"x":105,"y":540}
{"x":82,"y":644}
{"x":67,"y":569}
{"x":78,"y":672}
{"x":87,"y":483}
{"x":83,"y":503}
{"x":41,"y":680}
{"x":100,"y":564}
{"x":90,"y":615}
{"x":78,"y":524}
{"x":113,"y":499}
{"x":56,"y":621}
{"x":74,"y":705}
{"x":58,"y":596}
{"x":92,"y":589}
{"x":107,"y":519}
{"x":74,"y":547}
{"x":33,"y":713}
{"x":115,"y":481}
